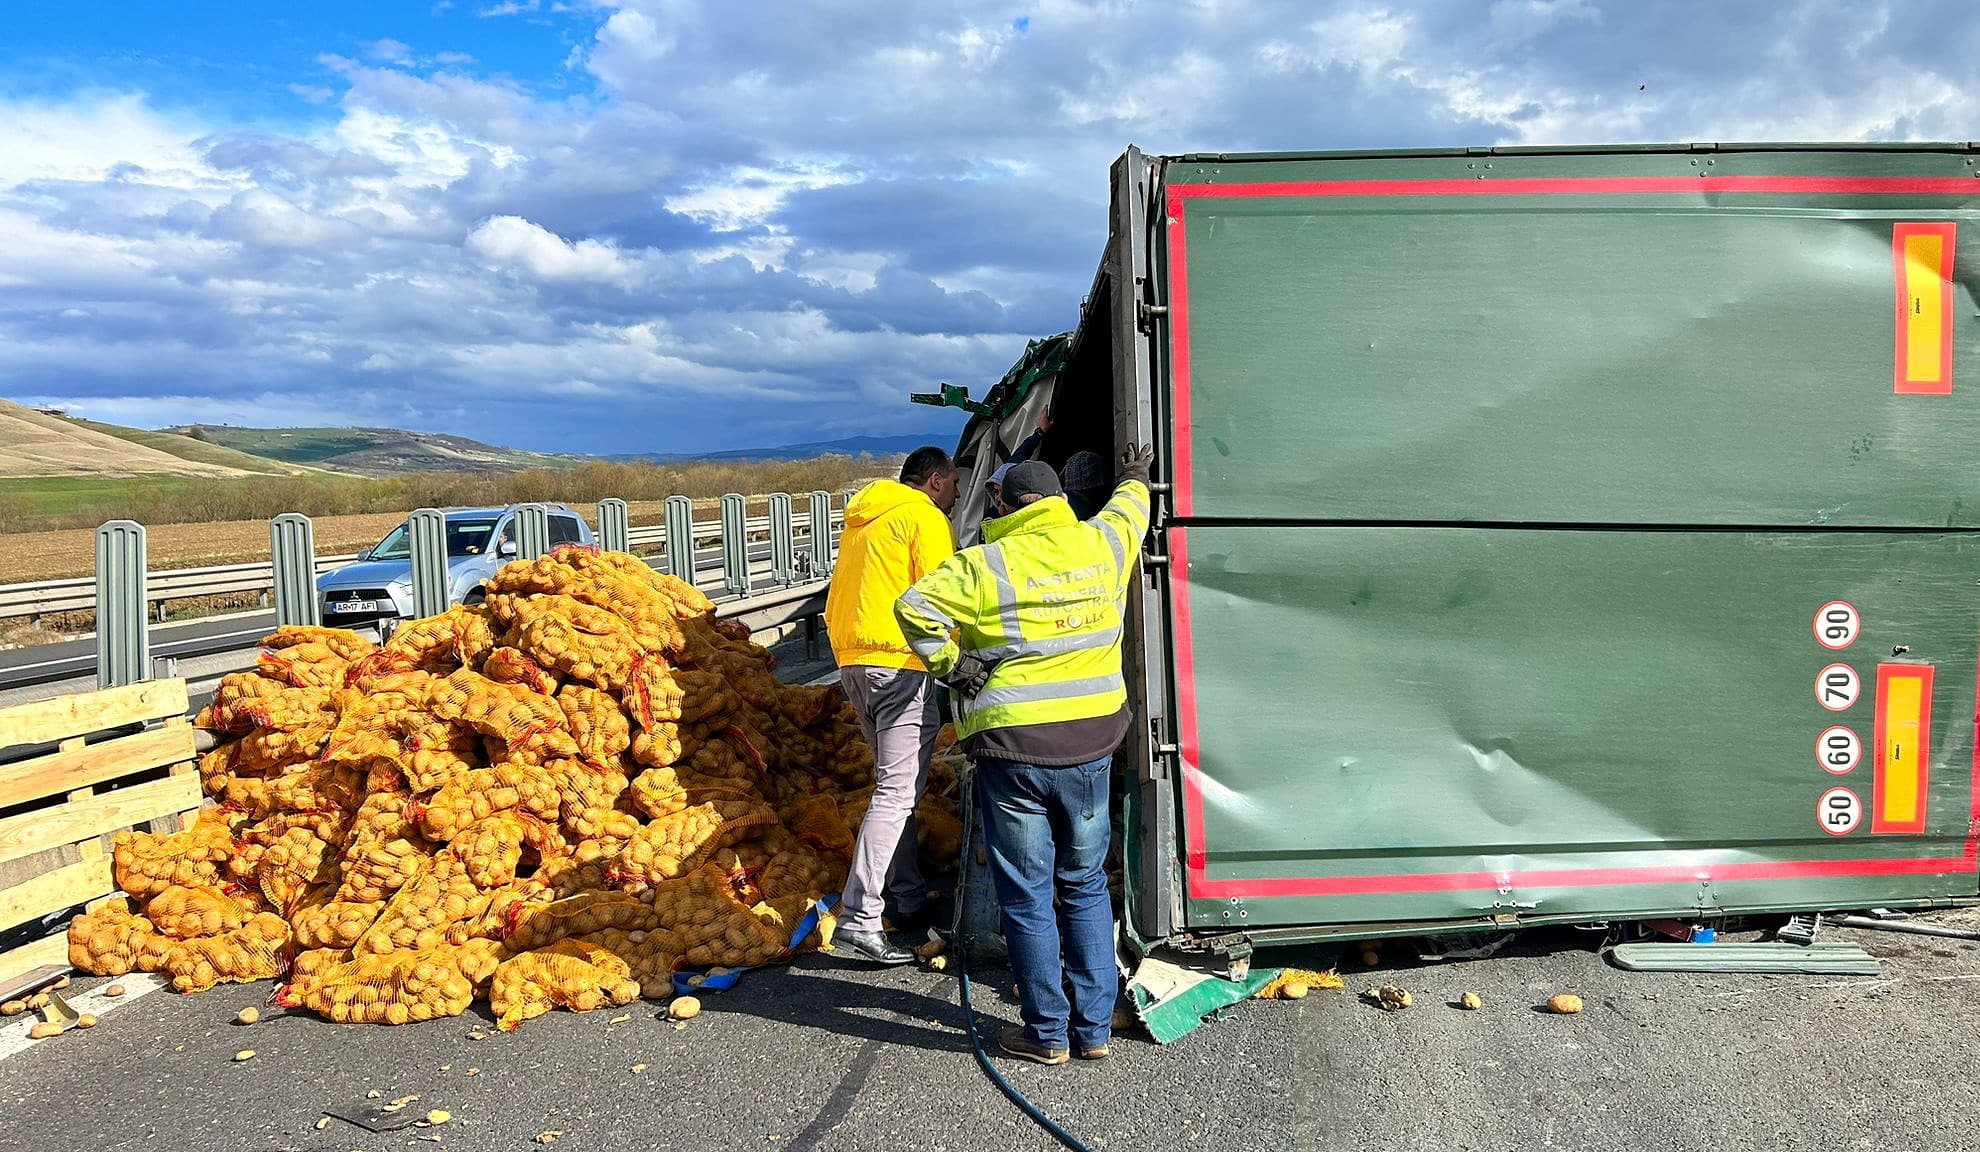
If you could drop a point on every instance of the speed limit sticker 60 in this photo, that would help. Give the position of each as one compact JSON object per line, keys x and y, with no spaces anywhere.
{"x":1837,"y":687}
{"x":1839,"y":750}
{"x":1839,"y":811}
{"x":1837,"y":625}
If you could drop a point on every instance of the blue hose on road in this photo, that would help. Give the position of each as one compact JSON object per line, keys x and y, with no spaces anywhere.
{"x":983,"y":1060}
{"x":965,"y":946}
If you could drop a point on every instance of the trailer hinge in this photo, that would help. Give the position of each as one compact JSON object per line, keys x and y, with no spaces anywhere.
{"x":1145,"y":315}
{"x":1151,"y":560}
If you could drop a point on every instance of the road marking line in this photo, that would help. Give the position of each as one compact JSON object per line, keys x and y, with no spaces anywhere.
{"x":14,"y":1035}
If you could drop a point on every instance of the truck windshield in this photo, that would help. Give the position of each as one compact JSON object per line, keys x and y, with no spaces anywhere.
{"x":464,"y":538}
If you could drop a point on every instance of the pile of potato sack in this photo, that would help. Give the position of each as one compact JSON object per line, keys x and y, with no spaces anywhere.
{"x":559,"y":797}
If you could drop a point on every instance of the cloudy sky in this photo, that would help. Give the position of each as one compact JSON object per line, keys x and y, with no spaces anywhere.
{"x":620,"y":225}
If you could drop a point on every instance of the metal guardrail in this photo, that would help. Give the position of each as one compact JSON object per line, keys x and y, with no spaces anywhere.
{"x":39,"y":598}
{"x":219,"y":635}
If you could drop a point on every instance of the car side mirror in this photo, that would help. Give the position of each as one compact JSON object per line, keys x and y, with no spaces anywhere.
{"x":507,"y":548}
{"x":364,"y":554}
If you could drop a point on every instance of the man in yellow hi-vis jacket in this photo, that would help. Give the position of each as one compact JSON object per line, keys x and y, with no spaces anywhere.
{"x":1026,"y":628}
{"x":896,"y":533}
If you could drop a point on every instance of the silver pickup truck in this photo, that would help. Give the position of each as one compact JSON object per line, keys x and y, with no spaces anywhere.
{"x":378,"y":587}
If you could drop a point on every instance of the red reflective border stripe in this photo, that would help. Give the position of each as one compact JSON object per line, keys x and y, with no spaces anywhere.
{"x":1194,"y":852}
{"x":1196,"y":860}
{"x":1179,"y":444}
{"x":1201,"y":886}
{"x":1594,"y":186}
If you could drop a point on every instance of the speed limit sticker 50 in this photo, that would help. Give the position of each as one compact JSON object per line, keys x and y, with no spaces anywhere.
{"x":1837,"y":625}
{"x":1837,"y":687}
{"x":1839,"y":811}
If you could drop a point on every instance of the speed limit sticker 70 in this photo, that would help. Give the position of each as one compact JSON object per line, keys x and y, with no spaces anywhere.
{"x":1839,"y":811}
{"x":1837,"y":624}
{"x":1837,"y":687}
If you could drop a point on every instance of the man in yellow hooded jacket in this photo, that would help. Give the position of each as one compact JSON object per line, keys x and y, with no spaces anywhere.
{"x":896,"y":532}
{"x":1026,"y":629}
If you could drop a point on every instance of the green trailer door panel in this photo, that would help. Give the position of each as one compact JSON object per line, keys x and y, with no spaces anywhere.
{"x":1748,"y":339}
{"x":1408,"y":723}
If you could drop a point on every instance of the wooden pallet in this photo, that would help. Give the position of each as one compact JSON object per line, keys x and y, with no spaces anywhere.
{"x":121,"y":758}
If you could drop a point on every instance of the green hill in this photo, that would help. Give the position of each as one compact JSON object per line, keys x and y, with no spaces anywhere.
{"x":371,"y":451}
{"x":197,"y":451}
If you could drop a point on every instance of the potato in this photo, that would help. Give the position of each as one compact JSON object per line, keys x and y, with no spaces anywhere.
{"x":248,"y":1016}
{"x":1293,"y":991}
{"x":1565,"y":1004}
{"x":684,"y":1008}
{"x":243,"y":1055}
{"x":13,"y":1008}
{"x":114,"y":991}
{"x":86,"y":1021}
{"x":44,"y":1031}
{"x":1470,"y":1002}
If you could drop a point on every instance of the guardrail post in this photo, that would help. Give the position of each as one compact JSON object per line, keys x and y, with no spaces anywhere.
{"x":783,"y":560}
{"x":292,"y":548}
{"x":614,"y":525}
{"x":426,"y":529}
{"x":123,"y":641}
{"x":679,"y":539}
{"x":822,"y":544}
{"x":532,"y":531}
{"x":735,"y":545}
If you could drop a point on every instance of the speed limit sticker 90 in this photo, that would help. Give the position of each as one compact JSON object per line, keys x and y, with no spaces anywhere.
{"x":1839,"y":811}
{"x":1839,"y":750}
{"x":1837,"y":687}
{"x":1837,"y":624}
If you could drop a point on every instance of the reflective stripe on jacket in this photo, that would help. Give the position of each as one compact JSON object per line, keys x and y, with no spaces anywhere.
{"x":894,"y":536}
{"x":1042,"y":600}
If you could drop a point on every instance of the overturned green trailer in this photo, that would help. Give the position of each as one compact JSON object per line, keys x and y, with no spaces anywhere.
{"x":1543,"y":536}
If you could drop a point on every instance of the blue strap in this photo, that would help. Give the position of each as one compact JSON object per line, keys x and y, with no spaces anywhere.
{"x":806,"y":925}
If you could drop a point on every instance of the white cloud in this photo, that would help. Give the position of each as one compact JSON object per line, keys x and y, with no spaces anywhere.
{"x":513,"y":242}
{"x":93,"y":137}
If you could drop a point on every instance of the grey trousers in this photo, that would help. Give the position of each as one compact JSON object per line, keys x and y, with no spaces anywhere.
{"x":897,"y":711}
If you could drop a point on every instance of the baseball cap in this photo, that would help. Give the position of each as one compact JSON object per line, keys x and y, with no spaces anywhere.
{"x":997,"y":477}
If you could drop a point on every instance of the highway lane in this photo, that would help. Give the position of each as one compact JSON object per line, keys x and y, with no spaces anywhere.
{"x":73,"y":659}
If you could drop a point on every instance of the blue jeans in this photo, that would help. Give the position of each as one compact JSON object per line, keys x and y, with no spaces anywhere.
{"x":1047,"y":831}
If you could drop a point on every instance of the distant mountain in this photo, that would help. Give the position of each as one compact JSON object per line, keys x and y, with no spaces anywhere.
{"x":373,"y":451}
{"x":850,"y":446}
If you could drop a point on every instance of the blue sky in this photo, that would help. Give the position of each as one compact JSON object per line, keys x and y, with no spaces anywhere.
{"x":621,"y":225}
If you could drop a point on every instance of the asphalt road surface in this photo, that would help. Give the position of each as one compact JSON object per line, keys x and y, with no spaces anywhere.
{"x":821,"y":1055}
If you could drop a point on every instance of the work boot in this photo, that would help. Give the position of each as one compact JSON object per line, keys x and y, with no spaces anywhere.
{"x":1015,"y":1043}
{"x":1097,"y":1052}
{"x":869,"y":947}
